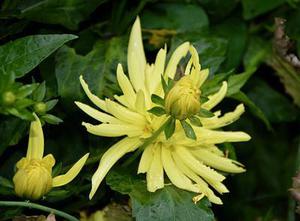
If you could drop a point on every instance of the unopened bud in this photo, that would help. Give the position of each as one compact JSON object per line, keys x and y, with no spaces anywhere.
{"x":33,"y":178}
{"x":8,"y":98}
{"x":182,"y":101}
{"x":40,"y":107}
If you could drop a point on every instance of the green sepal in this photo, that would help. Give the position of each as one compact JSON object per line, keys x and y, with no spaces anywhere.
{"x":170,"y":128}
{"x":205,"y":113}
{"x":158,"y":111}
{"x":51,"y":119}
{"x":195,"y":121}
{"x":39,"y":93}
{"x":157,"y":100}
{"x":188,"y":130}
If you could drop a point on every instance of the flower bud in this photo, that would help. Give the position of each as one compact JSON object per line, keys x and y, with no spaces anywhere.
{"x":8,"y":98}
{"x":33,"y":178}
{"x":40,"y":107}
{"x":182,"y":101}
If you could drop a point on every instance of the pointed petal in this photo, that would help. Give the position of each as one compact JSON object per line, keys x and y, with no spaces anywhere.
{"x":125,"y":85}
{"x":155,"y":79}
{"x":71,"y":174}
{"x":140,"y":102}
{"x":98,"y":115}
{"x":202,"y":185}
{"x":216,"y":98}
{"x":179,"y":53}
{"x":124,"y":114}
{"x":227,"y":119}
{"x":113,"y":130}
{"x":174,"y":174}
{"x":96,"y":100}
{"x":155,"y":174}
{"x":197,"y":166}
{"x":136,"y":57}
{"x":146,"y":159}
{"x":35,"y":148}
{"x":217,"y":162}
{"x":203,"y":75}
{"x":110,"y":157}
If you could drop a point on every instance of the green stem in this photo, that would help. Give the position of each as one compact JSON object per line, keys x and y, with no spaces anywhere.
{"x":39,"y":207}
{"x":147,"y":142}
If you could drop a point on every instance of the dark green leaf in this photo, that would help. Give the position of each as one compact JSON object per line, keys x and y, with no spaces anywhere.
{"x":203,"y":99}
{"x":167,"y":204}
{"x":51,"y":119}
{"x":188,"y":130}
{"x":164,"y":85}
{"x":195,"y":121}
{"x":50,"y":104}
{"x":205,"y":113}
{"x":255,"y":110}
{"x":170,"y":128}
{"x":6,"y":182}
{"x":218,"y":9}
{"x":39,"y":93}
{"x":67,"y":13}
{"x":253,"y":8}
{"x":25,"y":90}
{"x":170,"y":16}
{"x":19,"y":57}
{"x":158,"y":111}
{"x":157,"y":100}
{"x":98,"y":68}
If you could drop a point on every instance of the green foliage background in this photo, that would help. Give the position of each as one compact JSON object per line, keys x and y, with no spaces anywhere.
{"x":47,"y":44}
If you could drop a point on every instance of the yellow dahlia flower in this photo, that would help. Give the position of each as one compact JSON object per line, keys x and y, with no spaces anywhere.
{"x":187,"y":163}
{"x":33,"y":178}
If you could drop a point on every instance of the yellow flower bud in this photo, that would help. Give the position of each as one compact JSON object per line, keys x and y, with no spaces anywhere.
{"x":40,"y":107}
{"x":182,"y":101}
{"x":8,"y":98}
{"x":33,"y":178}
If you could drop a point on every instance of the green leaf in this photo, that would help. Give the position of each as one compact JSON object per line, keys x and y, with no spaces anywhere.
{"x":23,"y":103}
{"x":25,"y":90}
{"x":39,"y":93}
{"x":98,"y":68}
{"x":158,"y":111}
{"x":6,"y":183}
{"x":167,"y":204}
{"x":195,"y":121}
{"x":50,"y":104}
{"x":51,"y":119}
{"x":188,"y":130}
{"x":203,"y":99}
{"x":205,"y":113}
{"x":67,"y":13}
{"x":253,"y":8}
{"x":235,"y":31}
{"x":254,"y":109}
{"x":19,"y":57}
{"x":170,"y":16}
{"x":218,"y":9}
{"x":157,"y":100}
{"x":170,"y":128}
{"x":21,"y":113}
{"x":164,"y":85}
{"x":276,"y":106}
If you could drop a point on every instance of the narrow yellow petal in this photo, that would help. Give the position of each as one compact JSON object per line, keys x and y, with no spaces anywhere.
{"x":136,"y":59}
{"x":197,"y":166}
{"x":155,"y":79}
{"x":227,"y":119}
{"x":124,"y":113}
{"x":203,"y":75}
{"x":155,"y":173}
{"x":146,"y":159}
{"x":202,"y":185}
{"x":125,"y":85}
{"x":71,"y":174}
{"x":217,"y":162}
{"x":179,"y":53}
{"x":175,"y":174}
{"x":110,"y":157}
{"x":35,"y":148}
{"x":113,"y":130}
{"x":98,"y":115}
{"x":216,"y":98}
{"x":96,"y":100}
{"x":140,"y":102}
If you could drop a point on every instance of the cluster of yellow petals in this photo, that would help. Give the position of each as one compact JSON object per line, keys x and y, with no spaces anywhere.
{"x":191,"y":165}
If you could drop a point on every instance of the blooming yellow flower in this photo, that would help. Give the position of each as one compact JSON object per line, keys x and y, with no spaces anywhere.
{"x":33,"y":178}
{"x":187,"y":163}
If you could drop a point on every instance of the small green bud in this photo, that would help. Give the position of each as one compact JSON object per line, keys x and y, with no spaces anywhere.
{"x":8,"y":98}
{"x":40,"y":107}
